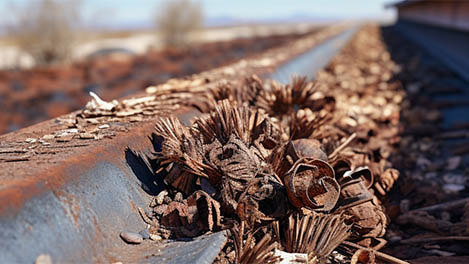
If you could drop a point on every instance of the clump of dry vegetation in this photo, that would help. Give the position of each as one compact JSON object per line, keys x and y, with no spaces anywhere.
{"x":46,"y":29}
{"x":178,"y":20}
{"x":271,"y":163}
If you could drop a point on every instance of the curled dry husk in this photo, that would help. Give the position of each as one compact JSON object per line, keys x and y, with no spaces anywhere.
{"x":358,"y":201}
{"x":310,"y":183}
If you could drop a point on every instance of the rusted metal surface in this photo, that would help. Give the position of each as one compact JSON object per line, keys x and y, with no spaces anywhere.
{"x":200,"y":250}
{"x":313,"y":60}
{"x":71,"y":210}
{"x":70,"y":196}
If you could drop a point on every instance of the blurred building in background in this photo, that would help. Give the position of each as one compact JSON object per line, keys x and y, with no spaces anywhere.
{"x":440,"y":27}
{"x":447,"y":13}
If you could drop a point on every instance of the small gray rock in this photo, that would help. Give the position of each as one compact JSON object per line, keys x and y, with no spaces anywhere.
{"x":453,"y":178}
{"x":453,"y":162}
{"x":145,"y":234}
{"x":132,"y":238}
{"x":404,"y":205}
{"x":43,"y":259}
{"x":155,"y":237}
{"x":453,"y":188}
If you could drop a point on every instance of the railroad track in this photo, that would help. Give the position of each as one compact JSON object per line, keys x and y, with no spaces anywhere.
{"x":70,"y":185}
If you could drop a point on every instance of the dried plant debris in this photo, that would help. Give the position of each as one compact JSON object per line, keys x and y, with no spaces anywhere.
{"x":301,"y":168}
{"x":299,"y":108}
{"x":250,"y":250}
{"x":225,"y":152}
{"x":310,"y":183}
{"x":133,"y":107}
{"x":316,"y":234}
{"x":249,"y":166}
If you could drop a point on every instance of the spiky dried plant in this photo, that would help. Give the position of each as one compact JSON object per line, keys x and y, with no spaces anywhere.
{"x":299,"y":94}
{"x":296,"y":107}
{"x":252,"y":127}
{"x":240,"y":139}
{"x":228,"y":148}
{"x":301,"y":109}
{"x":304,"y":123}
{"x":226,"y":120}
{"x":180,"y":154}
{"x":246,"y":93}
{"x":314,"y":233}
{"x":248,"y":250}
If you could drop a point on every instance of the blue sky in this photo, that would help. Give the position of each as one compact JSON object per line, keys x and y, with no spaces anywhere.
{"x":118,"y":13}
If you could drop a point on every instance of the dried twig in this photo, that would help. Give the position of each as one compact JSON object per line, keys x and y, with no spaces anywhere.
{"x":381,"y":255}
{"x":343,"y":145}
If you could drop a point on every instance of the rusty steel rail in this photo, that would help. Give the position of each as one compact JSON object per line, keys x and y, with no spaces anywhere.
{"x":71,"y":199}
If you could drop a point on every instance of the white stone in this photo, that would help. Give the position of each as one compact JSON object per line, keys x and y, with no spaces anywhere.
{"x":453,"y":188}
{"x":291,"y":258}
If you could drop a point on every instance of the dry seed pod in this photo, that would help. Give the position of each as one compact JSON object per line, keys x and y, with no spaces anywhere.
{"x":369,"y":219}
{"x":354,"y":187}
{"x":262,"y":200}
{"x":310,"y":183}
{"x":341,"y":166}
{"x":285,"y":156}
{"x":386,"y":180}
{"x":358,"y":201}
{"x":309,"y":148}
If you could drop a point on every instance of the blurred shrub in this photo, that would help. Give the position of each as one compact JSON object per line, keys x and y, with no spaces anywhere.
{"x":45,"y":28}
{"x":178,"y":20}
